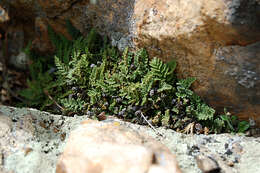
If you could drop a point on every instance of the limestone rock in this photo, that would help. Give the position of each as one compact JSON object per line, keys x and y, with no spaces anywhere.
{"x":5,"y":125}
{"x":13,"y":138}
{"x":110,"y":147}
{"x":40,"y":153}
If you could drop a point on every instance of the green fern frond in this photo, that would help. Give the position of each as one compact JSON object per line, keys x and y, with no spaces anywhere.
{"x":186,"y":83}
{"x":55,"y":38}
{"x":74,"y":32}
{"x":125,"y":55}
{"x":204,"y":112}
{"x":165,"y":87}
{"x":158,"y":68}
{"x":166,"y":118}
{"x":62,"y":45}
{"x":93,"y":41}
{"x":94,"y":96}
{"x":183,"y":86}
{"x":141,"y":58}
{"x":73,"y":105}
{"x":62,"y":68}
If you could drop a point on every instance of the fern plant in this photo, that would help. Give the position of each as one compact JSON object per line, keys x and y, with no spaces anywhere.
{"x":92,"y":77}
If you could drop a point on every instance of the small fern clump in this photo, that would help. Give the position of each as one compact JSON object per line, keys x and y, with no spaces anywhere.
{"x":41,"y":78}
{"x":92,"y":77}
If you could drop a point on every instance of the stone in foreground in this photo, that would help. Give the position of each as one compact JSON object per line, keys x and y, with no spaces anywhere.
{"x":109,"y":147}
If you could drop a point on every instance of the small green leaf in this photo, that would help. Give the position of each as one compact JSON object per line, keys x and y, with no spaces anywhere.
{"x":227,"y":119}
{"x":243,"y":126}
{"x":172,"y":65}
{"x":165,"y":87}
{"x":166,"y":118}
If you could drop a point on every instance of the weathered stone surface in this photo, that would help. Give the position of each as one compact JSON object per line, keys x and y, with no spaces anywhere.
{"x":30,"y":140}
{"x":193,"y":32}
{"x":12,"y":138}
{"x":111,"y":147}
{"x":5,"y":125}
{"x":28,"y":152}
{"x":235,"y":83}
{"x":206,"y":37}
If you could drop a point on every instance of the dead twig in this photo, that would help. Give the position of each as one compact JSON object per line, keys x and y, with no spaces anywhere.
{"x":156,"y":131}
{"x":54,"y":101}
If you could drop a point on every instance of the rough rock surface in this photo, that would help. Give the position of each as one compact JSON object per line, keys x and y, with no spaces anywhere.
{"x":30,"y":140}
{"x":215,"y":41}
{"x":110,"y":147}
{"x":34,"y":140}
{"x":197,"y":33}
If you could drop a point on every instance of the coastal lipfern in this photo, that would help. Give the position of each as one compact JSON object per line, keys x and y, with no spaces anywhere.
{"x":92,"y":77}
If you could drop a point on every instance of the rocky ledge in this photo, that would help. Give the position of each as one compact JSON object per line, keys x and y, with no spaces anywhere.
{"x":33,"y":141}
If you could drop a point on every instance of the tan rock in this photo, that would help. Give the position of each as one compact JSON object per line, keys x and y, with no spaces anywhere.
{"x":105,"y":147}
{"x":207,"y":164}
{"x":194,"y":33}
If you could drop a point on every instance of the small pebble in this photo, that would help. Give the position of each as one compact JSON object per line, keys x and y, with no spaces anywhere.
{"x":102,"y":116}
{"x":230,"y":163}
{"x":207,"y":164}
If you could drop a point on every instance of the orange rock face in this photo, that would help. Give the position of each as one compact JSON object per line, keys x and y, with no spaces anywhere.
{"x":199,"y":35}
{"x":215,"y":41}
